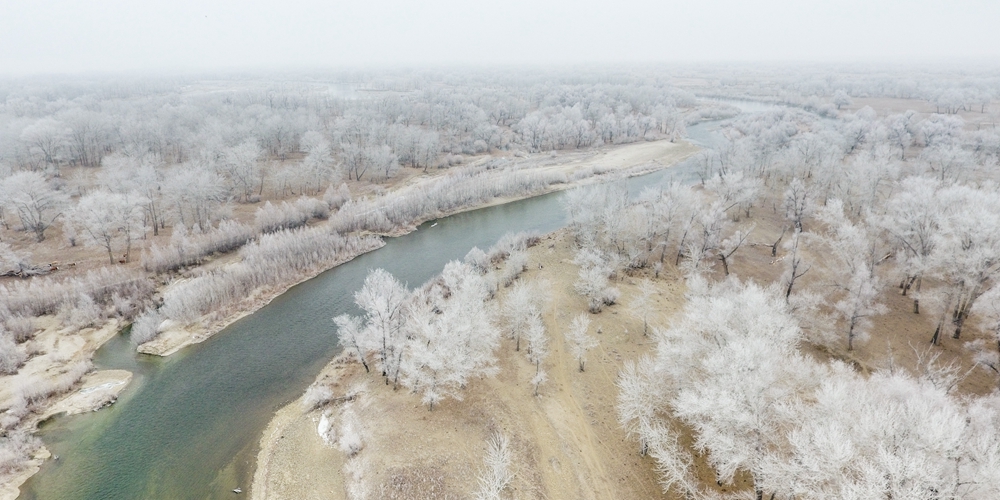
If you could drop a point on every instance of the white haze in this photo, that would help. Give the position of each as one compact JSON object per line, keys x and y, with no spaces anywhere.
{"x":127,"y":35}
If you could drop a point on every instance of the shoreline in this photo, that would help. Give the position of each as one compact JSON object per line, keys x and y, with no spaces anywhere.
{"x":271,"y":471}
{"x":566,"y":441}
{"x":171,"y":341}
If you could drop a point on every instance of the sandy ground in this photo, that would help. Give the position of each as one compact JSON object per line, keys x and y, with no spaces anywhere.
{"x":566,"y":442}
{"x":60,"y":348}
{"x":631,"y":159}
{"x":97,"y":390}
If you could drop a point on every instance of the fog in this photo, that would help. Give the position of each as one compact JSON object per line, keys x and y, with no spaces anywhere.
{"x":65,"y":36}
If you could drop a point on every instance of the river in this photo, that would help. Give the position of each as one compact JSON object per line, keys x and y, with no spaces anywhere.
{"x":189,"y":425}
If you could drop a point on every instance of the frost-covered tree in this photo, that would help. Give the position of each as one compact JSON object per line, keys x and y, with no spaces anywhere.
{"x":841,"y":99}
{"x":795,"y":268}
{"x":799,"y":203}
{"x":913,"y":219}
{"x":719,"y":373}
{"x":194,"y":195}
{"x":112,"y":221}
{"x":522,"y":307}
{"x":383,"y":300}
{"x":798,"y":427}
{"x":643,"y":303}
{"x":967,"y":250}
{"x":47,"y":137}
{"x":351,"y":337}
{"x":986,"y":352}
{"x":36,"y":203}
{"x":704,"y":238}
{"x":856,"y":249}
{"x":496,"y":474}
{"x":579,"y":340}
{"x":537,"y":352}
{"x":450,"y":335}
{"x":593,"y":282}
{"x":730,"y":245}
{"x":242,"y":167}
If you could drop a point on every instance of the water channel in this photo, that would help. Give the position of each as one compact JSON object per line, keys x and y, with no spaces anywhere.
{"x":188,"y":426}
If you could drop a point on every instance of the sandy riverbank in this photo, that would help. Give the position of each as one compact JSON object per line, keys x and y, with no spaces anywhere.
{"x":64,"y":352}
{"x":60,"y":348}
{"x":566,"y":442}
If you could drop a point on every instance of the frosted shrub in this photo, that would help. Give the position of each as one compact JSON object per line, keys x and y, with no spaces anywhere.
{"x":270,"y":218}
{"x":496,"y":475}
{"x":10,"y":260}
{"x":478,"y":260}
{"x":316,"y":396}
{"x":36,"y":390}
{"x":266,"y":261}
{"x":82,"y":312}
{"x":593,"y":282}
{"x":312,"y":207}
{"x":511,"y":243}
{"x":350,"y":441}
{"x":47,"y":294}
{"x":517,"y":262}
{"x":20,"y":327}
{"x":144,"y":328}
{"x":326,"y":430}
{"x":192,"y":249}
{"x":336,"y":198}
{"x":123,"y":306}
{"x":11,"y":356}
{"x":16,"y":449}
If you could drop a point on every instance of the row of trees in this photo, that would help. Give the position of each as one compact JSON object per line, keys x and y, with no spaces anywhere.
{"x":972,"y":91}
{"x":46,"y":129}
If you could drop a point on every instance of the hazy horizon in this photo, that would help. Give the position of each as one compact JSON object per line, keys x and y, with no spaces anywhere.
{"x":114,"y":36}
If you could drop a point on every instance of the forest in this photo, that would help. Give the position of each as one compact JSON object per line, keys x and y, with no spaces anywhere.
{"x":833,"y":264}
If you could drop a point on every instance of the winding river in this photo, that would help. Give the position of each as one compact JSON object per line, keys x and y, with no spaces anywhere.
{"x":189,"y":425}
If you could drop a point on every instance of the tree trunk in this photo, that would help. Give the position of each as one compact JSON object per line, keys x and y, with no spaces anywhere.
{"x":958,"y":324}
{"x":363,"y":363}
{"x":850,"y":336}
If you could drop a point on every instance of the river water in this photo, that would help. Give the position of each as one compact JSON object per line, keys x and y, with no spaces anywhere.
{"x":188,"y":426}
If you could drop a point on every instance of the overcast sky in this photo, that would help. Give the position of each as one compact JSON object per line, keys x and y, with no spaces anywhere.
{"x":70,"y":36}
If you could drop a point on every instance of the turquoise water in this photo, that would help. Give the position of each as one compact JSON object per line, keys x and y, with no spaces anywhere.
{"x":188,"y":426}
